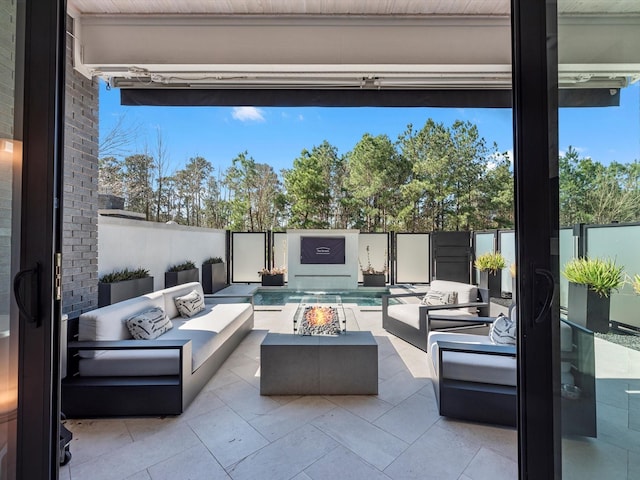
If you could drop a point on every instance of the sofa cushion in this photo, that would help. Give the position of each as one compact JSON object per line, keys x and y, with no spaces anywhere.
{"x":209,"y":329}
{"x":190,"y":304}
{"x":466,"y":293}
{"x":149,"y":324}
{"x":436,"y":297}
{"x":108,"y":323}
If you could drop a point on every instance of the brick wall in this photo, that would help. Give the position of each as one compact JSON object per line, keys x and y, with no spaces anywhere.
{"x":80,"y":197}
{"x":7,"y":81}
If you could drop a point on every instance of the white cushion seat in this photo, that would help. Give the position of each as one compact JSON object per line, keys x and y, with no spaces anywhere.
{"x":472,"y":367}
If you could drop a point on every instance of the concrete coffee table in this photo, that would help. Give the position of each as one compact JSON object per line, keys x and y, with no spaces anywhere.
{"x":345,"y":364}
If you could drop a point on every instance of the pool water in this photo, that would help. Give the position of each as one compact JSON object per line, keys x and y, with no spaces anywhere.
{"x":363,"y":298}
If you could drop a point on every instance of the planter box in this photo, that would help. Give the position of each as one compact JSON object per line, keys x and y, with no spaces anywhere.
{"x":374,"y":279}
{"x":109,"y":293}
{"x":171,"y":279}
{"x":588,"y":309}
{"x":214,"y":277}
{"x":492,"y":282}
{"x":273,"y":280}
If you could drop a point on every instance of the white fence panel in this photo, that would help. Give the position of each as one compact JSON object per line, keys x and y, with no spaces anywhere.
{"x":378,"y":255}
{"x":280,"y":252}
{"x":483,"y":243}
{"x":248,"y":256}
{"x":413,"y":258}
{"x":507,"y":244}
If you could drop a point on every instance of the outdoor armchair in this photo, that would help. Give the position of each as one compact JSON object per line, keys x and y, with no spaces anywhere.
{"x":412,"y":321}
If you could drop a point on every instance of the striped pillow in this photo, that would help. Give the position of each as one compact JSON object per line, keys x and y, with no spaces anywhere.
{"x":503,"y":331}
{"x":149,"y":324}
{"x":190,"y":304}
{"x":434,"y":297}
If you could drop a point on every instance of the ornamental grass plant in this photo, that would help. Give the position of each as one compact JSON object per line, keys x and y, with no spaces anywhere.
{"x":188,"y":265}
{"x":491,"y":262}
{"x":601,"y":275}
{"x":123,"y":275}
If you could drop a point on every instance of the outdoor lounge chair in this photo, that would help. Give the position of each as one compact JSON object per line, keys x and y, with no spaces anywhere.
{"x":412,"y":321}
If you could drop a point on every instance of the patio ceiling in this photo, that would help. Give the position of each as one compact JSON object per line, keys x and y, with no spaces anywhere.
{"x":340,"y":44}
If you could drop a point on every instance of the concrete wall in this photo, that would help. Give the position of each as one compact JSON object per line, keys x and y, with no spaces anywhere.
{"x":80,"y":192}
{"x":125,"y":243}
{"x":323,"y":276}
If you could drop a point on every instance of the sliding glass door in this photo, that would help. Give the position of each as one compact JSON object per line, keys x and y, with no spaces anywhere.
{"x":599,"y":194}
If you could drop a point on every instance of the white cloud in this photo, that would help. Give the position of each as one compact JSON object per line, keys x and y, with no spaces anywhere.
{"x":247,"y":114}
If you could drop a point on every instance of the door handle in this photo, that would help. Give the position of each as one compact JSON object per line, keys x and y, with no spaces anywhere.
{"x":29,"y":309}
{"x":545,"y":285}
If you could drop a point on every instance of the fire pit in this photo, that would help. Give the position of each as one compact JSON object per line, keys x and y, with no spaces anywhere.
{"x":318,"y":319}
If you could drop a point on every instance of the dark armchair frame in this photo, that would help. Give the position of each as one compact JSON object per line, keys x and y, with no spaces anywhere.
{"x":419,"y":337}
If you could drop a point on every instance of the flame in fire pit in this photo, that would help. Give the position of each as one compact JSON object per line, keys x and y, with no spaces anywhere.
{"x":317,"y":316}
{"x":319,"y":320}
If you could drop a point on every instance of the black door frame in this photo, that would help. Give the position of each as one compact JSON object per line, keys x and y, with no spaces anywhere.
{"x":39,"y":124}
{"x":535,"y":145}
{"x":535,"y":110}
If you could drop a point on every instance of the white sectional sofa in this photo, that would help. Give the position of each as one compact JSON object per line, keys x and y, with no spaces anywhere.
{"x":111,"y":374}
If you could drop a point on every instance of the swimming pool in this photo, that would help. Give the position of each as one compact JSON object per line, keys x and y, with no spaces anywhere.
{"x":361,"y":297}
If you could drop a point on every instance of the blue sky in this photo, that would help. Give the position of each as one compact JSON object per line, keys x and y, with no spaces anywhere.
{"x":276,"y":136}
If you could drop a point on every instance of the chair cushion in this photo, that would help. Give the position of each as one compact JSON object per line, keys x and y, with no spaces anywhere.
{"x":409,"y":313}
{"x":149,"y":324}
{"x":466,"y":293}
{"x":472,"y":367}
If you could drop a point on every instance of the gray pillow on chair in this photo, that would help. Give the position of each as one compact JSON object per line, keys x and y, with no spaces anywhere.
{"x":434,"y":297}
{"x":503,"y":331}
{"x":149,"y":324}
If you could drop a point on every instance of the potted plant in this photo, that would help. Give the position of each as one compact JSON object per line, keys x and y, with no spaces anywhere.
{"x":635,"y":284}
{"x":273,"y":277}
{"x":490,"y":266}
{"x":214,"y":275}
{"x":372,"y":277}
{"x":591,"y":281}
{"x":123,"y":284}
{"x":180,"y":273}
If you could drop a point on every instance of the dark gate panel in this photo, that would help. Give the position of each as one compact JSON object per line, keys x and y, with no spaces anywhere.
{"x":451,"y":256}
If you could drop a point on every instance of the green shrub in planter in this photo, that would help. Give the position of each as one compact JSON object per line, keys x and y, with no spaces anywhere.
{"x":123,"y":284}
{"x":214,"y":275}
{"x":490,"y":266}
{"x":492,"y":262}
{"x":184,"y":272}
{"x":601,"y":276}
{"x":591,"y":281}
{"x":181,"y":267}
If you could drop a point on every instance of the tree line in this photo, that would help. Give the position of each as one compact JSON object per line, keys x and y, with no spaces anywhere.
{"x":437,"y":177}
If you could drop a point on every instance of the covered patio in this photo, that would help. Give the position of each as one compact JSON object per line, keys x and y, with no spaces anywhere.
{"x":231,"y":431}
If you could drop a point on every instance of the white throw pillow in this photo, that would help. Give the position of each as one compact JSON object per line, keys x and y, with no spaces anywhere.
{"x":434,"y":297}
{"x":190,"y":304}
{"x":503,"y":331}
{"x":149,"y":324}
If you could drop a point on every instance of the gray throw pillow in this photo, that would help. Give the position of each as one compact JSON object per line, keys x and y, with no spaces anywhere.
{"x":190,"y":304}
{"x":149,"y":324}
{"x":503,"y":331}
{"x":434,"y":297}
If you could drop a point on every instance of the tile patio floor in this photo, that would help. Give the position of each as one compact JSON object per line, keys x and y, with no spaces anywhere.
{"x":231,"y":432}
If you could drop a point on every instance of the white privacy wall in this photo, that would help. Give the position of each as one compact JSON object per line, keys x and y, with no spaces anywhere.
{"x":125,"y":243}
{"x":304,"y":276}
{"x":412,"y":258}
{"x":248,"y":253}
